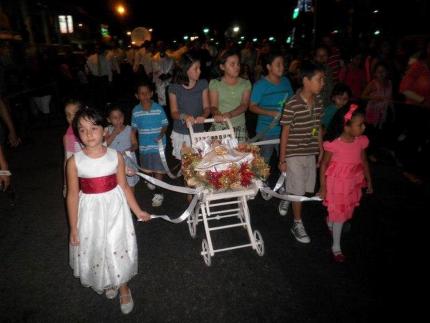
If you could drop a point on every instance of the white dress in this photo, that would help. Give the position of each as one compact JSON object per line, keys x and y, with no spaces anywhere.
{"x":107,"y":254}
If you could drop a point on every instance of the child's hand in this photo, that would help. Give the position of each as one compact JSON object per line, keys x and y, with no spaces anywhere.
{"x":143,"y":216}
{"x":4,"y":183}
{"x":274,"y":114}
{"x":189,"y":119}
{"x":322,"y":193}
{"x":130,"y":171}
{"x":14,"y":140}
{"x":219,"y":118}
{"x":200,"y":119}
{"x":282,"y":165}
{"x":158,"y":139}
{"x":74,"y":238}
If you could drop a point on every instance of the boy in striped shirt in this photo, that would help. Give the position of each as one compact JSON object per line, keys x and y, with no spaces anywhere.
{"x":151,"y":123}
{"x":301,"y":142}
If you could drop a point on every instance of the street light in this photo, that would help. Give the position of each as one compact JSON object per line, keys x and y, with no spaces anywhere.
{"x":206,"y":30}
{"x":120,"y":9}
{"x":236,"y":29}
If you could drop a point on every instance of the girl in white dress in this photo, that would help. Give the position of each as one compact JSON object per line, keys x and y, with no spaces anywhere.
{"x":103,"y":249}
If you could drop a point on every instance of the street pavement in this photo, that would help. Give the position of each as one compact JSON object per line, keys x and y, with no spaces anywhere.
{"x":292,"y":282}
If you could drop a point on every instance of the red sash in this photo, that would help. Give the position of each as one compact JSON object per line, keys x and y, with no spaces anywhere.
{"x":97,"y":185}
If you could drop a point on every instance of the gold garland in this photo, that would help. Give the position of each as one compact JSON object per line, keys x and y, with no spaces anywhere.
{"x":235,"y":177}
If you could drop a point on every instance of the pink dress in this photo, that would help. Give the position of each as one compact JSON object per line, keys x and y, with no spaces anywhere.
{"x":344,"y":177}
{"x":376,"y":111}
{"x":71,"y":142}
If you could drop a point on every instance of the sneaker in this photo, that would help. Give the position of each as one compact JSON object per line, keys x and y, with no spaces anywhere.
{"x":157,"y":200}
{"x":283,"y":207}
{"x":150,"y":186}
{"x":299,"y":232}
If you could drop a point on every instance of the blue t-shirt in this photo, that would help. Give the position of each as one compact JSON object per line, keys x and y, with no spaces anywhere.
{"x":271,"y":97}
{"x":328,"y":115}
{"x":149,"y":124}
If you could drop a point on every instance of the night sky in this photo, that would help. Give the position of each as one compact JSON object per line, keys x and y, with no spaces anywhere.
{"x":395,"y":17}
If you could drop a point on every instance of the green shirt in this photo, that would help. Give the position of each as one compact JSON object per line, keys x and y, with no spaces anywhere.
{"x":230,"y":97}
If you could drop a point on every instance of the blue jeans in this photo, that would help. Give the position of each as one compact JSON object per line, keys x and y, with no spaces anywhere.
{"x":267,"y":150}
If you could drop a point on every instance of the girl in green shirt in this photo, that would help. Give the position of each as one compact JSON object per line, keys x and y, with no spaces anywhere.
{"x":229,"y":96}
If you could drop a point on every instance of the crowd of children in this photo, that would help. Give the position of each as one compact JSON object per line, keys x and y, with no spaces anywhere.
{"x":99,"y":195}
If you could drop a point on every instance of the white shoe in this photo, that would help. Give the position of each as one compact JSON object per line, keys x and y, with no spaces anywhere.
{"x":126,"y":307}
{"x":111,"y":293}
{"x":150,"y":186}
{"x":283,"y":207}
{"x":157,"y":200}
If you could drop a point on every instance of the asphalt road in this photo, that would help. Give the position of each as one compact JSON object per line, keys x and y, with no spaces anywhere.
{"x":292,"y":282}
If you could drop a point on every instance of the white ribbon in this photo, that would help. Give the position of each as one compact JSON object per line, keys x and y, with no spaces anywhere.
{"x":265,"y":142}
{"x":164,"y":161}
{"x":286,"y":197}
{"x":183,"y":216}
{"x":5,"y":173}
{"x":152,"y":180}
{"x":289,"y":197}
{"x":175,"y":188}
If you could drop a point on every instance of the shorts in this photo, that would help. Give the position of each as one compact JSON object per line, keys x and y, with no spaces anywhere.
{"x":152,"y":163}
{"x":301,"y":174}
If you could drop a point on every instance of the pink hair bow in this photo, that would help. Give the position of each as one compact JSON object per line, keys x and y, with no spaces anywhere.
{"x":351,"y":110}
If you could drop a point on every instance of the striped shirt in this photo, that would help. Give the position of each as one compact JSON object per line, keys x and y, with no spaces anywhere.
{"x":302,"y":120}
{"x":149,"y":124}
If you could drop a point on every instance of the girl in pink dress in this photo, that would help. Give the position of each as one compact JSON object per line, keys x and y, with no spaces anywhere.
{"x":70,"y":141}
{"x":344,"y":170}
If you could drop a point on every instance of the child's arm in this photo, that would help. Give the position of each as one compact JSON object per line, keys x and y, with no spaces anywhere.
{"x":367,"y":91}
{"x":5,"y":115}
{"x":110,"y":136}
{"x":213,"y":96}
{"x":206,"y":107}
{"x":320,"y":145}
{"x":282,"y":165}
{"x":133,"y":140}
{"x":72,"y":200}
{"x":4,"y":180}
{"x":367,"y":171}
{"x":323,"y":167}
{"x":243,"y":106}
{"x":255,"y":108}
{"x":162,"y":133}
{"x":64,"y":167}
{"x":131,"y":200}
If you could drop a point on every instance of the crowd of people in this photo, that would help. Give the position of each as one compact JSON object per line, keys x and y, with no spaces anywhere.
{"x":329,"y":107}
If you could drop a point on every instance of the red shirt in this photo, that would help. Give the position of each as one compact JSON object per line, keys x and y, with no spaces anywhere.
{"x":416,"y":79}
